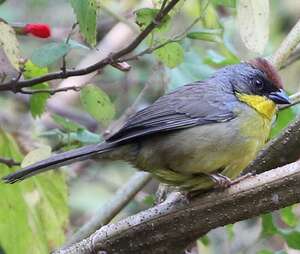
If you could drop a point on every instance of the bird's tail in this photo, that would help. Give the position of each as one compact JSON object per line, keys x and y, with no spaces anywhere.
{"x":58,"y":160}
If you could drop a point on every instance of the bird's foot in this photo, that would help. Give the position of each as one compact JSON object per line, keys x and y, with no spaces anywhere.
{"x":221,"y":181}
{"x":224,"y":182}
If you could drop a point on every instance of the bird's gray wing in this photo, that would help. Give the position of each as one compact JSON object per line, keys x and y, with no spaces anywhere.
{"x":191,"y":105}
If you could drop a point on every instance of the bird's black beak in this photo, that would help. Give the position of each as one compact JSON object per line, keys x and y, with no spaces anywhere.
{"x":280,"y":97}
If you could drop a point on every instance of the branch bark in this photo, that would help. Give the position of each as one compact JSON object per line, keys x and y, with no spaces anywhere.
{"x":287,"y":47}
{"x":113,"y":207}
{"x":158,"y":229}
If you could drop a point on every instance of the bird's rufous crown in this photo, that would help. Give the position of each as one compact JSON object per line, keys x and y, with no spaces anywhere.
{"x":265,"y":66}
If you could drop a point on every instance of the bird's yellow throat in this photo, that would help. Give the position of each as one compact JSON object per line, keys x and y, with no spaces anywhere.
{"x":261,"y":104}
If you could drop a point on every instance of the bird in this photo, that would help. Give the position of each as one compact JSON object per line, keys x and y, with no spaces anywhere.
{"x":197,"y":137}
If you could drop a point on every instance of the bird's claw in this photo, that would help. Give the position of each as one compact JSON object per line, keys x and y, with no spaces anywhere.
{"x":221,"y":181}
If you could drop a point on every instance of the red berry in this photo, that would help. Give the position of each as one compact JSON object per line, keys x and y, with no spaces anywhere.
{"x":38,"y":30}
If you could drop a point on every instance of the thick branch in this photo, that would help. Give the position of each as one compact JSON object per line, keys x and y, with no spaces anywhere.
{"x":113,"y":207}
{"x":287,"y":46}
{"x":158,"y":229}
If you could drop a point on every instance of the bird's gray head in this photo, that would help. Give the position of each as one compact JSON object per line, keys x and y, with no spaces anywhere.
{"x":256,"y":77}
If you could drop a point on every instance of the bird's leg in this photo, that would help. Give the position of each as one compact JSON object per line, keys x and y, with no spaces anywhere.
{"x":223,"y":181}
{"x":220,"y":180}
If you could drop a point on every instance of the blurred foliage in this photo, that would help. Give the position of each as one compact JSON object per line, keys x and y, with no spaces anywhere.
{"x":34,"y":214}
{"x":49,"y":53}
{"x":219,"y":36}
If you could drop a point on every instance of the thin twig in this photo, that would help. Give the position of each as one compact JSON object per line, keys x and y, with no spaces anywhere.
{"x":295,"y":99}
{"x":113,"y":58}
{"x":175,"y":38}
{"x":9,"y":162}
{"x":51,"y":91}
{"x":64,"y":63}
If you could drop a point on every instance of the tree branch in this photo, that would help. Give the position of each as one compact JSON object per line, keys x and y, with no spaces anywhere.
{"x":113,"y":207}
{"x":287,"y":46}
{"x":9,"y":162}
{"x":175,"y":220}
{"x":51,"y":91}
{"x":111,"y":59}
{"x":295,"y":56}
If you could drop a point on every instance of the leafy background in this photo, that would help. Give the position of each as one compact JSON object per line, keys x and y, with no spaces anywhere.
{"x":38,"y":215}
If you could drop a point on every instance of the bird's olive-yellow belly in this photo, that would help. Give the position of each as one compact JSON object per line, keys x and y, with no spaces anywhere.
{"x":183,"y":157}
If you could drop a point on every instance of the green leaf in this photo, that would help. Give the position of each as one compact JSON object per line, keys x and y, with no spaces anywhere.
{"x":2,"y":1}
{"x":33,"y":71}
{"x":77,"y":45}
{"x":253,"y":21}
{"x":34,"y":213}
{"x":288,"y":216}
{"x":145,"y":16}
{"x":86,"y":13}
{"x":80,"y":137}
{"x":49,"y":53}
{"x":292,"y":238}
{"x":213,"y":35}
{"x":97,"y":103}
{"x":37,"y":101}
{"x":66,"y":123}
{"x":85,"y":137}
{"x":211,"y":19}
{"x":228,"y":3}
{"x":268,"y":227}
{"x":171,"y":54}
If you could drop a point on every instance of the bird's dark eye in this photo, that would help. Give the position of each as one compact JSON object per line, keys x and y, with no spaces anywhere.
{"x":259,"y":84}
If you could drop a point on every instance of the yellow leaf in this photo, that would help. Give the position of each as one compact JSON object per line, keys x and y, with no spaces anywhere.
{"x":36,"y":155}
{"x":10,"y":44}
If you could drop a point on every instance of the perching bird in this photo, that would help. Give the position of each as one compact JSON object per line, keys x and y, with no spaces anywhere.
{"x":201,"y":135}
